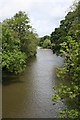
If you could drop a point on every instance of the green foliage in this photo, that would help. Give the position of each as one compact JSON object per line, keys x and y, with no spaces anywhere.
{"x":68,"y":46}
{"x":18,"y":42}
{"x":70,"y":114}
{"x":55,"y":97}
{"x":0,"y":61}
{"x":67,"y":27}
{"x":47,"y":44}
{"x":57,"y":37}
{"x":0,"y":44}
{"x":14,"y":61}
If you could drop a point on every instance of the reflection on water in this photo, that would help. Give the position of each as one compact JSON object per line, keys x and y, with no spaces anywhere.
{"x":29,"y":94}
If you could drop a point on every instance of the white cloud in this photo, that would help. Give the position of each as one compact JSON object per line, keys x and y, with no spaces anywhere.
{"x":44,"y":14}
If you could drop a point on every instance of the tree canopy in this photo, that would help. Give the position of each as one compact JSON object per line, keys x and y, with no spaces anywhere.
{"x":45,"y":42}
{"x":18,"y":42}
{"x":66,"y":40}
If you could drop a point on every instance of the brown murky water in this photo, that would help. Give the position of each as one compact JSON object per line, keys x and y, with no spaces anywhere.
{"x":29,"y":95}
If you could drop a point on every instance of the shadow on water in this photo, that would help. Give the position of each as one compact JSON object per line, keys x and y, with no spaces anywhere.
{"x":0,"y":75}
{"x":10,"y":78}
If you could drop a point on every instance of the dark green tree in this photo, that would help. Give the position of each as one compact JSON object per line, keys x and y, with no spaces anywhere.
{"x":69,"y":48}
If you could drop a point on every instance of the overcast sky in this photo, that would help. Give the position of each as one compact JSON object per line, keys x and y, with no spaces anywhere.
{"x":45,"y":15}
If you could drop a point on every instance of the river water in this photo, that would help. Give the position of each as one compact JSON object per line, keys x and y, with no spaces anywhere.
{"x":29,"y":94}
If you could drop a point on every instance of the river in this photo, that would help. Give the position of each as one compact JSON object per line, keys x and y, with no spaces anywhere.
{"x":29,"y":94}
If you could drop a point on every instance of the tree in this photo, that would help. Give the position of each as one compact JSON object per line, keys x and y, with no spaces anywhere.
{"x":70,"y":50}
{"x":19,"y":42}
{"x":44,"y":41}
{"x":47,"y":44}
{"x":0,"y":44}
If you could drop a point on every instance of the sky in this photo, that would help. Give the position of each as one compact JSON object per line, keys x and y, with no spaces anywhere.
{"x":45,"y":15}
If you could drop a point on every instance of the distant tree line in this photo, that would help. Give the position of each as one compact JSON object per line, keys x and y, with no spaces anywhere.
{"x":45,"y":42}
{"x":19,"y":42}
